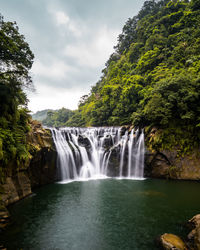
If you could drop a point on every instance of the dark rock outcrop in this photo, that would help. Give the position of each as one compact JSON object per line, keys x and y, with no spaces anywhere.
{"x":84,"y":142}
{"x":114,"y":161}
{"x":108,"y":142}
{"x":4,"y":217}
{"x":170,"y":163}
{"x":167,"y":164}
{"x":39,"y":169}
{"x":194,"y":235}
{"x":16,"y":187}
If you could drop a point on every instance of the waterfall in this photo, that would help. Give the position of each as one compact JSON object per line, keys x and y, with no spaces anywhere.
{"x":85,"y":153}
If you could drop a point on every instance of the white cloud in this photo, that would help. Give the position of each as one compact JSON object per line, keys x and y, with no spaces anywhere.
{"x":61,"y":18}
{"x":65,"y":22}
{"x":52,"y":98}
{"x":57,"y":69}
{"x":95,"y":53}
{"x":71,"y":41}
{"x":77,"y":31}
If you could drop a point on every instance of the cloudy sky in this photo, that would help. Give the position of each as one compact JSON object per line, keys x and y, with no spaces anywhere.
{"x":71,"y":41}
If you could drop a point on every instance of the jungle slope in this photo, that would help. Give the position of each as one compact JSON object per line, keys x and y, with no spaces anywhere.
{"x":152,"y":80}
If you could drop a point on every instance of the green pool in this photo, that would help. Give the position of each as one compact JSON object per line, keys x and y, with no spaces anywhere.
{"x":102,"y":214}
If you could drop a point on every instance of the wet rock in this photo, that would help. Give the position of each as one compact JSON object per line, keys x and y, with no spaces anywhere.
{"x":194,"y":235}
{"x":130,"y":129}
{"x":171,"y":241}
{"x":16,"y":188}
{"x":169,"y":163}
{"x":84,"y":141}
{"x":192,"y":242}
{"x":4,"y":217}
{"x":39,"y":137}
{"x":10,"y":194}
{"x":123,"y":130}
{"x":160,"y":165}
{"x":42,"y":168}
{"x":107,"y":142}
{"x":2,"y":247}
{"x":114,"y":161}
{"x":38,"y":169}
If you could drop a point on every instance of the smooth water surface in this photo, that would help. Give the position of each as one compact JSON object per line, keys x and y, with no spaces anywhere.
{"x":102,"y":214}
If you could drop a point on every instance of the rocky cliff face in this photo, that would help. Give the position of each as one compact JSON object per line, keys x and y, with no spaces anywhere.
{"x":167,"y":164}
{"x":39,"y":170}
{"x":192,"y":242}
{"x":170,"y":164}
{"x":42,"y":167}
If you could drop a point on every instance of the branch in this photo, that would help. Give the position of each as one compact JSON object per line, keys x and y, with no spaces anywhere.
{"x":11,"y":72}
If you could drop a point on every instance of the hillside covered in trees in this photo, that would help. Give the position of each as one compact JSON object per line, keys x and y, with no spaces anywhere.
{"x":153,"y":77}
{"x":40,"y":115}
{"x":53,"y":118}
{"x":16,"y":60}
{"x":57,"y":118}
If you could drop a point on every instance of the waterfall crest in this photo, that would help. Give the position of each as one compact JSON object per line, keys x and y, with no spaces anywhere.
{"x":85,"y":153}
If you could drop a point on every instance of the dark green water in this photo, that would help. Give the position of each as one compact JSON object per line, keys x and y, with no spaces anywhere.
{"x":104,"y":214}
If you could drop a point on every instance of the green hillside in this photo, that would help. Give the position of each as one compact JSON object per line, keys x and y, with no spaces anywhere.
{"x":153,"y":77}
{"x":58,"y":118}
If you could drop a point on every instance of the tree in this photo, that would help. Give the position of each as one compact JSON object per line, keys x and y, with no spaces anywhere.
{"x":16,"y":60}
{"x":153,"y":77}
{"x":82,"y":100}
{"x":128,"y":35}
{"x":195,"y":4}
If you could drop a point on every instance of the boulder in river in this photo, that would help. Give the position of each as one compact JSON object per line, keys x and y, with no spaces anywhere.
{"x":171,"y":241}
{"x":194,"y":235}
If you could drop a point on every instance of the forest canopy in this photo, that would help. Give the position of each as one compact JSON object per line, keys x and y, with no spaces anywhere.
{"x":16,"y":60}
{"x":153,"y":77}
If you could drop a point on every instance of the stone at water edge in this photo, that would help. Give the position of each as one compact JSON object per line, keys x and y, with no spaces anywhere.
{"x":194,"y":235}
{"x":4,"y":217}
{"x":171,"y":241}
{"x":2,"y":247}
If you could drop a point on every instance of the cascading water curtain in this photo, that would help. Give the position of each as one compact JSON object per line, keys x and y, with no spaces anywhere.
{"x":85,"y":153}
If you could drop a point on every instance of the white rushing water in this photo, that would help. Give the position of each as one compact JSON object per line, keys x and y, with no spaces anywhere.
{"x":86,"y":153}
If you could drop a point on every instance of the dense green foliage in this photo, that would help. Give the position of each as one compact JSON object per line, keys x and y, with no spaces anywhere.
{"x":16,"y":60}
{"x":57,"y":118}
{"x":153,"y":77}
{"x":151,"y":80}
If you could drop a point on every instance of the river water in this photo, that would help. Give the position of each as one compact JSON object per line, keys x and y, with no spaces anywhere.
{"x":102,"y":214}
